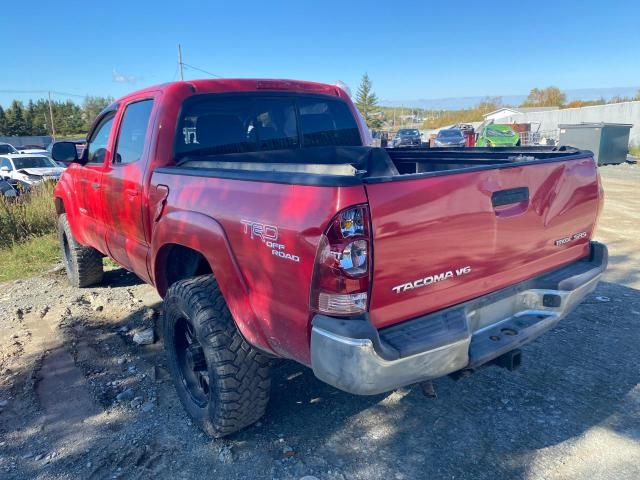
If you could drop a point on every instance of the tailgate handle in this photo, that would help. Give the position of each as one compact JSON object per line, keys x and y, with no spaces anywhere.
{"x":510,"y":196}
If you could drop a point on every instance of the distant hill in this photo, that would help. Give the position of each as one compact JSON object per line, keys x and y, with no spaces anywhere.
{"x":459,"y":103}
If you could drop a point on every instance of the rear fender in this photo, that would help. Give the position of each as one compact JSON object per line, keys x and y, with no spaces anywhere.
{"x":205,"y":235}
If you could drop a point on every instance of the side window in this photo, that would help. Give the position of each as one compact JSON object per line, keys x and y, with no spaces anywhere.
{"x":97,"y":146}
{"x":327,"y":122}
{"x":133,"y":131}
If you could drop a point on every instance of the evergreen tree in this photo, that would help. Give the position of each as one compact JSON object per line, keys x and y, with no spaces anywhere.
{"x":29,"y":113}
{"x":14,"y":120}
{"x":2,"y":121}
{"x":91,"y":107}
{"x":367,"y":102}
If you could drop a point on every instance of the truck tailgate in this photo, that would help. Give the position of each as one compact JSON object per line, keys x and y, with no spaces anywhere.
{"x":443,"y":239}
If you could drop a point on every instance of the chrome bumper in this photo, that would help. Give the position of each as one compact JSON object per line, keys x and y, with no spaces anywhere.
{"x":352,"y":356}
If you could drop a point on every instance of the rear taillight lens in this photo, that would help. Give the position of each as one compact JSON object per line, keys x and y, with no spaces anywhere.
{"x":342,"y":269}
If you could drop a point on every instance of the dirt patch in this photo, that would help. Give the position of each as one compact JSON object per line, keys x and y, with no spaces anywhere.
{"x":79,"y":399}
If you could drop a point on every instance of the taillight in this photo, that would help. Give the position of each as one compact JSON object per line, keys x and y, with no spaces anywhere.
{"x":341,"y":274}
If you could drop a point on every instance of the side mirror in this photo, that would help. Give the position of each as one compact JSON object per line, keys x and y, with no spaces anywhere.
{"x":64,"y":152}
{"x":4,"y":169}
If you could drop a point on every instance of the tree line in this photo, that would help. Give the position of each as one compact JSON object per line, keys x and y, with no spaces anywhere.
{"x":34,"y":118}
{"x":384,"y":117}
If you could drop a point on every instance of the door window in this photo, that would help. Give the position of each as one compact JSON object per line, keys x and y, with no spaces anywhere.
{"x":133,"y":131}
{"x":97,"y":146}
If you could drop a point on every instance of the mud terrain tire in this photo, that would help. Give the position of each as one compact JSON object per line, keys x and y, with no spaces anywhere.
{"x":222,"y":381}
{"x":83,"y":264}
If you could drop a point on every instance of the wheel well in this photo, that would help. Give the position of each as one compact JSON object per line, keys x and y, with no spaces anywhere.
{"x":177,"y":262}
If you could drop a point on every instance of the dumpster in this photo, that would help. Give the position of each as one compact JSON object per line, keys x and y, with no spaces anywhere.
{"x":609,"y":142}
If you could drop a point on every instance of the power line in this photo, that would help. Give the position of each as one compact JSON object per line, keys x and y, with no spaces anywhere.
{"x":45,"y":92}
{"x":181,"y":66}
{"x":201,"y":70}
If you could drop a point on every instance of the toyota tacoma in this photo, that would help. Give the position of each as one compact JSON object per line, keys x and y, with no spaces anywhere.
{"x":270,"y":231}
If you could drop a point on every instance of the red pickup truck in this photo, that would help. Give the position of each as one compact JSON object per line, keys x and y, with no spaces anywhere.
{"x":271,"y":231}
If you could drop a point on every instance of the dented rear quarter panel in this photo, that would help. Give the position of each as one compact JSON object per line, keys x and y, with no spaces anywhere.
{"x":275,"y":315}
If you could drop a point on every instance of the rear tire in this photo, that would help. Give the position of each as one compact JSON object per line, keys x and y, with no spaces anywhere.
{"x":83,"y":264}
{"x":222,"y":381}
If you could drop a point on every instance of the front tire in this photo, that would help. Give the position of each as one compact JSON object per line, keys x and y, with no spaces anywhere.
{"x":83,"y":264}
{"x":222,"y":381}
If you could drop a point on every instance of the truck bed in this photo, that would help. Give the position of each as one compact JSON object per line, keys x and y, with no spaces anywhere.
{"x":445,"y":160}
{"x":366,"y":164}
{"x":484,"y":218}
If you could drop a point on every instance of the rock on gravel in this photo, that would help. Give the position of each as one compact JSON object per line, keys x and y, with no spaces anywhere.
{"x":226,"y":456}
{"x":144,"y":337}
{"x":125,"y":396}
{"x":148,"y":315}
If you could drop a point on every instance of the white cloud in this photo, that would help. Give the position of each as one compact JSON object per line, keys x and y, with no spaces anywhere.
{"x":122,"y":78}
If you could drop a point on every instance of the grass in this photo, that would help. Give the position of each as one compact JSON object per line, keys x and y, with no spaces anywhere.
{"x":29,"y":257}
{"x":635,"y":150}
{"x":28,"y":244}
{"x":31,"y":215}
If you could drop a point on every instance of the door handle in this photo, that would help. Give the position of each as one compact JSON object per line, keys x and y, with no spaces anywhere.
{"x":95,"y":185}
{"x":131,"y":192}
{"x":509,"y":196}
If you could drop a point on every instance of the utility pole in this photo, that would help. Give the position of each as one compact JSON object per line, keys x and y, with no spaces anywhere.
{"x":180,"y":62}
{"x":53,"y":128}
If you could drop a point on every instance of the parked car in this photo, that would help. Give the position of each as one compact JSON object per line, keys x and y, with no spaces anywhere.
{"x":7,"y":190}
{"x":407,"y":137}
{"x":450,"y":137}
{"x":464,"y":127}
{"x":7,"y":148}
{"x":270,"y":231}
{"x":496,"y":135}
{"x":33,"y":151}
{"x":29,"y":169}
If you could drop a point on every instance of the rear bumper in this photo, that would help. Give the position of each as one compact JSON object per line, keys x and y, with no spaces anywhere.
{"x":352,"y":355}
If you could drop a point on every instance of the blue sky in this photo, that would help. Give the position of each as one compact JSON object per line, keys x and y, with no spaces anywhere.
{"x":410,"y":49}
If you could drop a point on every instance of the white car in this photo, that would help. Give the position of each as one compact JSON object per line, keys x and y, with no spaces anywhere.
{"x":7,"y":148}
{"x":29,"y":169}
{"x":33,"y":151}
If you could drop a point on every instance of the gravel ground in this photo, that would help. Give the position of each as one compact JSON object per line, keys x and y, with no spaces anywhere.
{"x":80,"y":399}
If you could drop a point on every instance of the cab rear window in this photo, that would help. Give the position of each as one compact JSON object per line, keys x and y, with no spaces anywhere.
{"x":216,"y":124}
